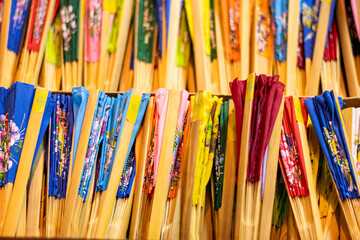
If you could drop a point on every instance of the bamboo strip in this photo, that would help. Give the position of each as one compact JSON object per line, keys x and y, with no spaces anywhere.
{"x":104,"y":54}
{"x":127,"y":75}
{"x":312,"y":192}
{"x":4,"y":39}
{"x":188,"y":180}
{"x":224,"y":70}
{"x":171,"y":68}
{"x":191,"y":80}
{"x":127,"y":13}
{"x":292,"y":44}
{"x":312,"y":87}
{"x":244,"y":26}
{"x":81,"y":37}
{"x":334,"y":230}
{"x":21,"y":226}
{"x":34,"y":197}
{"x":270,"y":181}
{"x":346,"y":49}
{"x":202,"y":61}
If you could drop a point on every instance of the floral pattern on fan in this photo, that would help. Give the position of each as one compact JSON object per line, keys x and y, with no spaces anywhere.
{"x":219,"y":161}
{"x":279,"y":19}
{"x":96,"y":136}
{"x":18,"y":17}
{"x":90,"y":157}
{"x":69,"y":25}
{"x":10,"y":135}
{"x":290,"y":161}
{"x":112,"y":142}
{"x":95,"y":20}
{"x":40,"y":19}
{"x":234,"y":19}
{"x":338,"y":155}
{"x":61,"y":139}
{"x":263,"y":32}
{"x":93,"y":30}
{"x":59,"y":149}
{"x":149,"y":170}
{"x":127,"y":174}
{"x":175,"y":167}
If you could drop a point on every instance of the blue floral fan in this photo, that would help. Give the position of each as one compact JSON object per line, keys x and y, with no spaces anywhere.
{"x":324,"y":111}
{"x":61,"y":133}
{"x":14,"y":121}
{"x":128,"y":174}
{"x":96,"y":136}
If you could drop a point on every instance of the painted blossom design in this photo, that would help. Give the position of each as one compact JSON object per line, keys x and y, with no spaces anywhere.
{"x":307,"y":15}
{"x":300,"y":49}
{"x":149,"y":168}
{"x":97,"y":132}
{"x":60,"y":151}
{"x":111,"y":139}
{"x":175,"y":171}
{"x":40,"y":19}
{"x":279,"y":21}
{"x":90,"y":157}
{"x":127,"y":174}
{"x":148,"y":19}
{"x":10,"y":136}
{"x":69,"y":25}
{"x":218,"y":168}
{"x":338,"y":155}
{"x":94,"y":14}
{"x":234,"y":19}
{"x":291,"y":163}
{"x":61,"y":134}
{"x":19,"y":17}
{"x":263,"y":31}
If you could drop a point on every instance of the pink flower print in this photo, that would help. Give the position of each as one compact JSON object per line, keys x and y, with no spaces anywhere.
{"x":40,"y":19}
{"x":103,"y":127}
{"x":14,"y":133}
{"x":96,"y":125}
{"x":2,"y":157}
{"x":282,"y":152}
{"x":8,"y":166}
{"x":95,"y":19}
{"x":2,"y":133}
